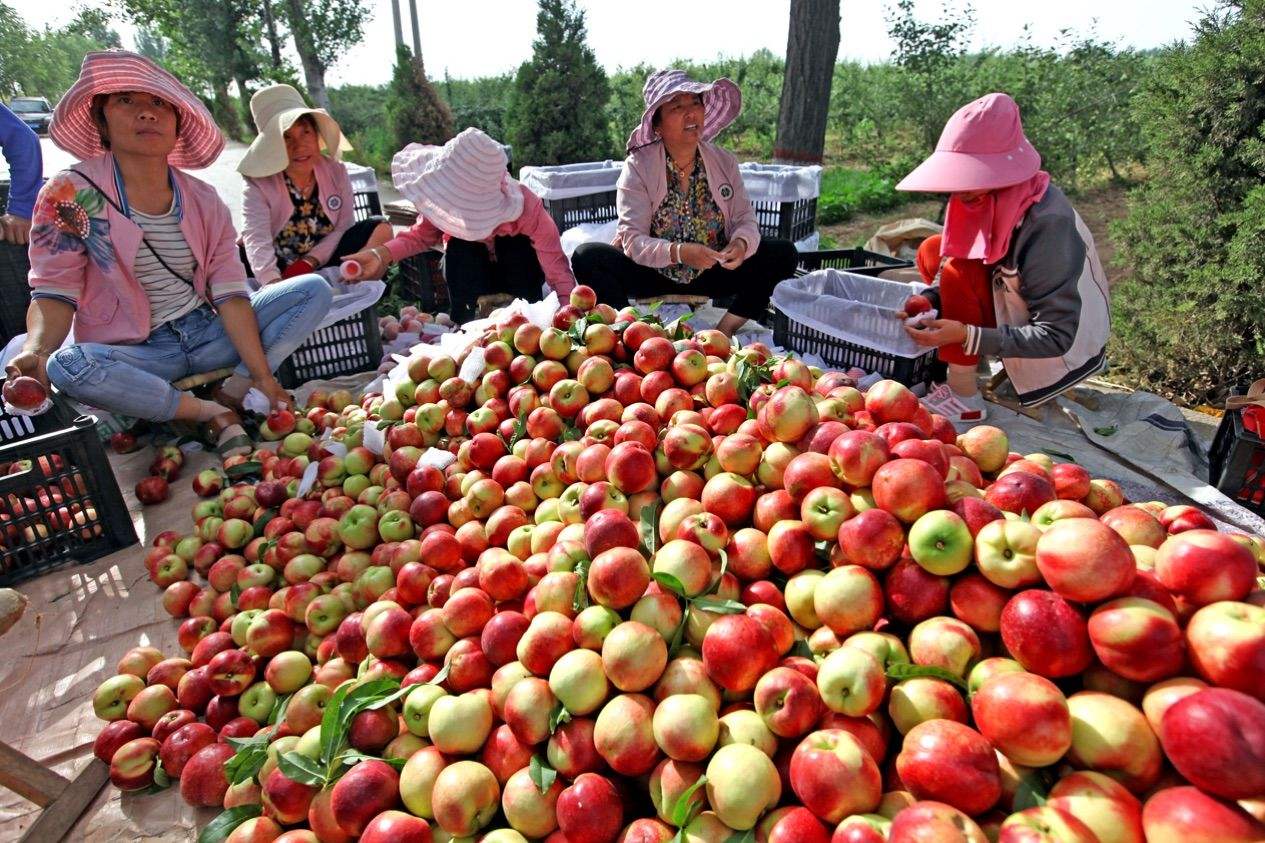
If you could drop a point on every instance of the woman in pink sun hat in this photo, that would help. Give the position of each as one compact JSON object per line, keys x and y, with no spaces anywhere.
{"x":497,"y":235}
{"x":1008,"y":226}
{"x":685,"y":222}
{"x":140,"y":259}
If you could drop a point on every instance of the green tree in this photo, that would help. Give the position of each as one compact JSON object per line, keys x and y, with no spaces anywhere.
{"x":415,"y":112}
{"x":932,"y":58}
{"x":557,"y":109}
{"x":322,"y":32}
{"x":1190,"y":318}
{"x":46,"y":62}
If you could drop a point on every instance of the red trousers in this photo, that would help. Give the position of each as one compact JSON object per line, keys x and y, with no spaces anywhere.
{"x":965,"y":294}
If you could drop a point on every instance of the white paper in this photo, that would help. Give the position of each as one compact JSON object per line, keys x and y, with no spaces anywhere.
{"x":925,"y":316}
{"x":541,"y":313}
{"x":437,"y":458}
{"x":474,"y":364}
{"x":374,"y":439}
{"x":256,"y":402}
{"x":338,"y":449}
{"x":308,"y":478}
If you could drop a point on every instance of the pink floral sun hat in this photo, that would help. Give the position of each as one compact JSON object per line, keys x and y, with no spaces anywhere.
{"x":461,"y":187}
{"x":982,"y":147}
{"x":722,"y":102}
{"x":112,"y":71}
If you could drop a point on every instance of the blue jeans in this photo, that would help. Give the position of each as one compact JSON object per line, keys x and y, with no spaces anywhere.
{"x":135,"y":380}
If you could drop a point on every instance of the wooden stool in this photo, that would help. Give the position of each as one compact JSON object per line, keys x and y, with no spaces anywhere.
{"x":484,"y":305}
{"x":189,"y":384}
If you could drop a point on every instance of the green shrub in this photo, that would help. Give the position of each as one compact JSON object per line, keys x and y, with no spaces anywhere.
{"x":1190,"y":319}
{"x":415,"y":112}
{"x":847,"y":192}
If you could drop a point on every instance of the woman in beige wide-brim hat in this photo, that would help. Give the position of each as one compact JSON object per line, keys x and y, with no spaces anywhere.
{"x":298,"y":209}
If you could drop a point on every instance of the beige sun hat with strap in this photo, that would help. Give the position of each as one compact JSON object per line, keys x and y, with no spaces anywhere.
{"x":275,"y":109}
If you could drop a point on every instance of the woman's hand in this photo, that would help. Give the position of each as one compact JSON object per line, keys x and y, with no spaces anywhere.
{"x":15,"y":229}
{"x":937,"y":332}
{"x":30,"y":364}
{"x":276,"y":394}
{"x":372,"y":264}
{"x":732,"y":256}
{"x":698,"y":256}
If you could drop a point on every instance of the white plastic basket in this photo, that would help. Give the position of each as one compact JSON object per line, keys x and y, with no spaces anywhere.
{"x":780,"y":182}
{"x":363,"y":179}
{"x":566,"y":181}
{"x":854,"y":308}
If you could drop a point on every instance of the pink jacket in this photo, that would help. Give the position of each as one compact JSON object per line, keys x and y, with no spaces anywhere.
{"x":266,"y":208}
{"x":82,"y":251}
{"x":534,"y":222}
{"x":643,"y":185}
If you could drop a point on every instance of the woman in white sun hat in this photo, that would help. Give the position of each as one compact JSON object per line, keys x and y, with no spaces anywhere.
{"x":497,"y":236}
{"x":140,"y":258}
{"x":685,"y":222}
{"x":298,"y":208}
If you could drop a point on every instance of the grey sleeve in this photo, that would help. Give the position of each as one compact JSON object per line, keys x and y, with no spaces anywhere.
{"x":1050,"y":259}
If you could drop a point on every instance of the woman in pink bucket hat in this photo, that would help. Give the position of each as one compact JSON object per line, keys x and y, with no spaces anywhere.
{"x":1037,"y":269}
{"x":685,"y":222}
{"x":497,"y":236}
{"x":140,"y":259}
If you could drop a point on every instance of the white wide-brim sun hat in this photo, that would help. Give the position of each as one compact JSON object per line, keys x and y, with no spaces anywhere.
{"x":275,"y":109}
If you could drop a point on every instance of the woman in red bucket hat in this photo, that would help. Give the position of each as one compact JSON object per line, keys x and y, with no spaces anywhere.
{"x":140,"y":259}
{"x":1019,"y":277}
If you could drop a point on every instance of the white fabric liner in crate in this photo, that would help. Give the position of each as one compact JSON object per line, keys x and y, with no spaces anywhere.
{"x":363,"y":179}
{"x":780,"y":182}
{"x":854,"y":308}
{"x":566,"y":181}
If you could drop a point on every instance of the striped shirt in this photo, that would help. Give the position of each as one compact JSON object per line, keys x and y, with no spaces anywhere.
{"x":169,"y":296}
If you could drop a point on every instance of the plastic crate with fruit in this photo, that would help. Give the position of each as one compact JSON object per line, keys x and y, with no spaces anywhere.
{"x":346,"y":347}
{"x":1237,"y":457}
{"x":59,"y":501}
{"x":849,"y":320}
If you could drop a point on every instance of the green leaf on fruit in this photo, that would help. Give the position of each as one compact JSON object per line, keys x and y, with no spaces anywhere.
{"x":719,"y":607}
{"x":331,"y":736}
{"x":678,"y":636}
{"x":901,"y":671}
{"x":1109,"y":430}
{"x":1030,"y":793}
{"x":1058,"y":455}
{"x":571,"y":433}
{"x":557,"y":717}
{"x":580,"y":600}
{"x":251,"y":754}
{"x":218,"y":829}
{"x":520,"y":429}
{"x":542,"y":775}
{"x":244,"y":470}
{"x":442,"y":676}
{"x":670,"y":582}
{"x":299,"y":768}
{"x":352,"y":757}
{"x":162,"y":781}
{"x":800,"y":648}
{"x":686,"y":807}
{"x":649,"y":526}
{"x":724,"y":566}
{"x":747,"y":836}
{"x":278,"y":712}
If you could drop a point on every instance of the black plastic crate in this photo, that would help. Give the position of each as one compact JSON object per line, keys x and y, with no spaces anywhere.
{"x":366,"y":204}
{"x":59,"y":501}
{"x":421,"y":280}
{"x":595,"y":207}
{"x":800,"y":338}
{"x":15,"y":294}
{"x":1236,"y":463}
{"x":348,"y":346}
{"x":788,"y":220}
{"x":859,"y":261}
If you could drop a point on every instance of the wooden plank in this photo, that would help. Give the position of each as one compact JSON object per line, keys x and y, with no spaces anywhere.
{"x":55,"y":821}
{"x":28,"y":778}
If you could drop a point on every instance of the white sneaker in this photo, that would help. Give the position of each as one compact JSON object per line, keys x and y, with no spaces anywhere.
{"x":959,"y":409}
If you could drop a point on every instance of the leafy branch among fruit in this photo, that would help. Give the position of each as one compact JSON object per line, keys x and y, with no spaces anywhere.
{"x":628,"y":586}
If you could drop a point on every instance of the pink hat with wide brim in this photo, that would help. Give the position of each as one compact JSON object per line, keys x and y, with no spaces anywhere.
{"x":113,"y":71}
{"x":982,"y":147}
{"x":722,"y":102}
{"x":461,"y":187}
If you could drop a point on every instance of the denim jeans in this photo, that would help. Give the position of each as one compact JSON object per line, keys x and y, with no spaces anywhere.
{"x":135,"y":380}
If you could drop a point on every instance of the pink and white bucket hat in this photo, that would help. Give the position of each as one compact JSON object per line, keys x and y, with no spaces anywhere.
{"x":722,"y":102}
{"x":462,"y":187}
{"x":112,"y":71}
{"x":982,"y":147}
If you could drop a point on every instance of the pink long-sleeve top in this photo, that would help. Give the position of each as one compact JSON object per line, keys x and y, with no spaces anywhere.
{"x":534,"y":223}
{"x":643,"y":185}
{"x":267,"y":207}
{"x":83,"y":250}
